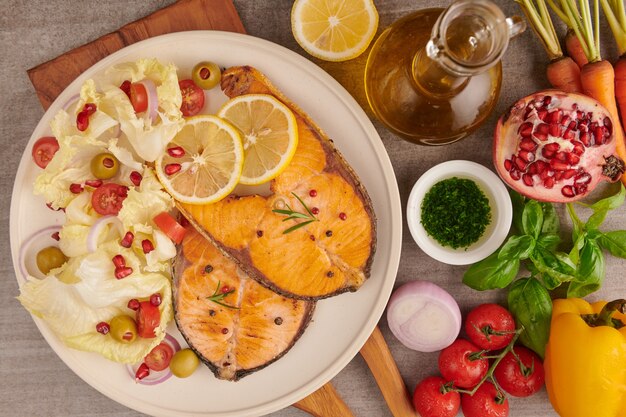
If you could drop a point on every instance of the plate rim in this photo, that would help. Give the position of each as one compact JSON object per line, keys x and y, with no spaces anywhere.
{"x":394,"y":204}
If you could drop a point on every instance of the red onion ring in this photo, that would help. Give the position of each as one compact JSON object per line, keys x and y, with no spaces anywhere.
{"x":98,"y":226}
{"x":47,"y":231}
{"x":70,"y":101}
{"x":155,"y":377}
{"x":153,"y":100}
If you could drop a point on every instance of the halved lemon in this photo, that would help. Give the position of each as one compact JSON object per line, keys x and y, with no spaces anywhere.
{"x":334,"y":30}
{"x":203,"y":163}
{"x":269,"y":131}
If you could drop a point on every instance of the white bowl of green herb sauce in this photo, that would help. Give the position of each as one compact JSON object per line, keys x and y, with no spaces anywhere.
{"x":459,"y":212}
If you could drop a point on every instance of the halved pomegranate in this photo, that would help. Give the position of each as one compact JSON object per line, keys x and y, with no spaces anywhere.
{"x":555,"y":146}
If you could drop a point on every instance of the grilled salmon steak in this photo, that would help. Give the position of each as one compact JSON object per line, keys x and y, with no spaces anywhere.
{"x":329,"y":255}
{"x":235,"y":325}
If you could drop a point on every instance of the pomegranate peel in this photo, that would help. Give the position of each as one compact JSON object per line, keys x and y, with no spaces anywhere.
{"x":556,"y":146}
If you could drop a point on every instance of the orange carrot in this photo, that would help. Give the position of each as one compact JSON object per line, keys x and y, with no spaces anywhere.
{"x":575,"y":49}
{"x":620,"y":86}
{"x":598,"y":81}
{"x":564,"y":74}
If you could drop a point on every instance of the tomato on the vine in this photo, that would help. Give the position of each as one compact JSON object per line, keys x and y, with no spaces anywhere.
{"x":520,"y":373}
{"x":490,"y":326}
{"x":159,"y":357}
{"x":44,"y":149}
{"x":108,"y":198}
{"x":193,"y":98}
{"x":486,"y":402}
{"x":432,"y":399}
{"x":461,"y":363}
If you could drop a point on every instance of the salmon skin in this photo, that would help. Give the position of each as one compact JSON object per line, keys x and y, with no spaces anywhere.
{"x":238,"y":333}
{"x":321,"y":259}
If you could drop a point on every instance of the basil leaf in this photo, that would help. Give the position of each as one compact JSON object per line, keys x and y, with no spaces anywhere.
{"x":530,"y":304}
{"x":574,"y":254}
{"x":517,"y":247}
{"x":532,"y":218}
{"x":610,"y":203}
{"x":549,"y":241}
{"x":518,"y":201}
{"x":491,"y":273}
{"x":577,"y":224}
{"x":555,"y":269}
{"x":551,"y":222}
{"x":596,"y":219}
{"x":590,"y":272}
{"x":614,"y":242}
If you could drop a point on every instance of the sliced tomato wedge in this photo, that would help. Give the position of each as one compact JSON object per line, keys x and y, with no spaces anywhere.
{"x":138,"y":97}
{"x":44,"y":149}
{"x":168,"y":225}
{"x":108,"y":198}
{"x":147,"y":318}
{"x":193,"y":98}
{"x":159,"y":358}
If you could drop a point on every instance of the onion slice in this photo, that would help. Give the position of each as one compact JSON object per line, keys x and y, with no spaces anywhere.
{"x":34,"y":241}
{"x":70,"y":102}
{"x":153,"y":100}
{"x":423,"y":316}
{"x":155,"y":377}
{"x":98,"y":227}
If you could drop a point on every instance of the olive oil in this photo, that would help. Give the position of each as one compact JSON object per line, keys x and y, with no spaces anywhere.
{"x":434,"y":76}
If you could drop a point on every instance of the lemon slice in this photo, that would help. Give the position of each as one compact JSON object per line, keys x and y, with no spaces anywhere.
{"x":203,"y":162}
{"x":334,"y":30}
{"x":270,"y":135}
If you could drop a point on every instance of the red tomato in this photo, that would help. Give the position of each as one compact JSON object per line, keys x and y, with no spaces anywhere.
{"x":148,"y":318}
{"x":430,"y":401}
{"x":138,"y":97}
{"x":159,"y":358}
{"x":457,"y":365}
{"x":170,"y":226}
{"x":193,"y":98}
{"x":44,"y":149}
{"x":108,"y":198}
{"x":486,"y":402}
{"x":523,"y":377}
{"x":490,"y":326}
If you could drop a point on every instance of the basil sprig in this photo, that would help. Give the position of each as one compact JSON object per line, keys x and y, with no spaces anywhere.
{"x":577,"y":272}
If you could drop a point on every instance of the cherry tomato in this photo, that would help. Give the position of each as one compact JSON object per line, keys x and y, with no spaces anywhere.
{"x":159,"y":357}
{"x":430,"y":401}
{"x":456,"y":364}
{"x":523,"y":377}
{"x":108,"y":198}
{"x":486,"y":402}
{"x":193,"y":98}
{"x":148,"y":318}
{"x":490,"y":326}
{"x":170,"y":226}
{"x":44,"y":149}
{"x":138,"y":97}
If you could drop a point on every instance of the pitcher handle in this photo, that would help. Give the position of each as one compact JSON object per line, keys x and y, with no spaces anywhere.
{"x":516,"y":25}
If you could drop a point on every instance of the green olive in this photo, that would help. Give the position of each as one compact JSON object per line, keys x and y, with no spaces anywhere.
{"x":206,"y":75}
{"x":104,"y":166}
{"x":184,"y":363}
{"x":50,"y":258}
{"x":123,"y":328}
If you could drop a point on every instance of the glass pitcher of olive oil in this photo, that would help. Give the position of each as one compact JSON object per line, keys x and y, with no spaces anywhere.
{"x":434,"y":76}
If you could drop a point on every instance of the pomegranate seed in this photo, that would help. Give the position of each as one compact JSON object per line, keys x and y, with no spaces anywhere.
{"x":548,"y":182}
{"x":521,"y":164}
{"x":567,"y":174}
{"x":558,"y":175}
{"x":142,"y":372}
{"x":527,"y":156}
{"x":547,"y":100}
{"x":608,"y":125}
{"x":561,"y":156}
{"x":315,"y":210}
{"x":155,"y":299}
{"x":584,"y":178}
{"x":532,"y":169}
{"x":578,"y":148}
{"x":515,"y":174}
{"x":147,"y":246}
{"x":343,"y":216}
{"x":528,"y":144}
{"x":572,"y":158}
{"x":56,"y":236}
{"x":541,"y":166}
{"x":547,"y":173}
{"x":119,"y":261}
{"x":93,"y":183}
{"x":103,"y":327}
{"x":554,"y":130}
{"x":508,"y":164}
{"x":568,"y":134}
{"x":554,"y":116}
{"x":313,"y":193}
{"x":585,"y":138}
{"x":176,"y":152}
{"x":127,"y":240}
{"x":123,"y":272}
{"x":557,"y":165}
{"x":76,"y":188}
{"x":90,"y":108}
{"x":171,"y":169}
{"x":542,"y":113}
{"x":528,"y":180}
{"x":568,"y":191}
{"x":125,"y":87}
{"x":580,"y":188}
{"x":82,"y":121}
{"x":525,"y":129}
{"x":565,"y":120}
{"x":135,"y":178}
{"x":541,"y":132}
{"x":133,"y":304}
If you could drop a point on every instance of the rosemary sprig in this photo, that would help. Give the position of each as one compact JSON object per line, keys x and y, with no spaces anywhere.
{"x":218,"y":295}
{"x":291,"y":214}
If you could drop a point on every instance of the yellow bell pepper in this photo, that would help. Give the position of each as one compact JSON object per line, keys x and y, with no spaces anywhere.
{"x":585,"y":362}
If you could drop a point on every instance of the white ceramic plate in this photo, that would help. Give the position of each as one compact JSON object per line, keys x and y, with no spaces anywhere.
{"x":341,"y":324}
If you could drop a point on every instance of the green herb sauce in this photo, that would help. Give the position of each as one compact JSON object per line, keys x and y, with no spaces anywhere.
{"x":455,"y":212}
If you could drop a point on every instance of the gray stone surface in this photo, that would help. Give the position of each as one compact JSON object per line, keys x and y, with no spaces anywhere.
{"x":35,"y":382}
